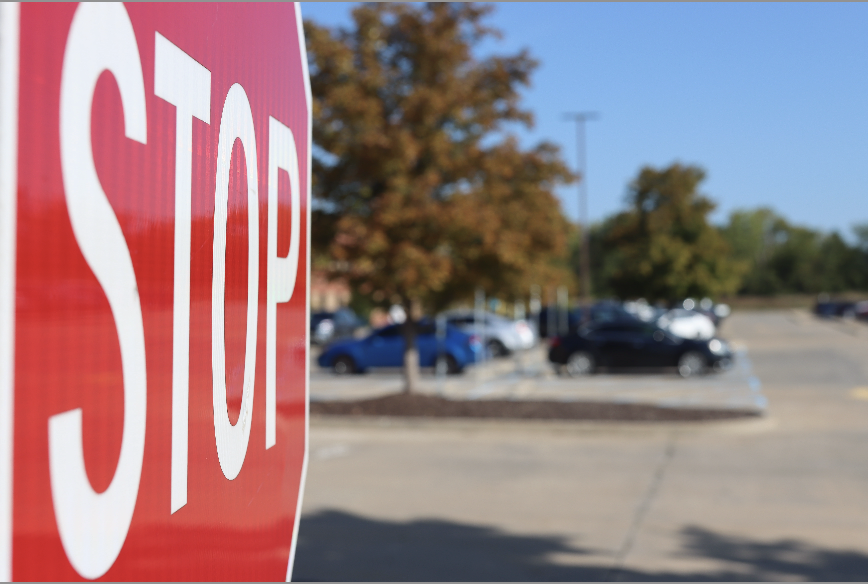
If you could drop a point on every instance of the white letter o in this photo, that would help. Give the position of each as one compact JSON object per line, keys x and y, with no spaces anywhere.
{"x":235,"y":122}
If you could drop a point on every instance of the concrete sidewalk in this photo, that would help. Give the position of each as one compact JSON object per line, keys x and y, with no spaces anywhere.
{"x":782,"y":497}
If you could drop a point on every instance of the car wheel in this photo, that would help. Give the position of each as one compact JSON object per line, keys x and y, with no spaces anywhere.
{"x":496,"y":348}
{"x":580,"y":363}
{"x":344,"y":365}
{"x":446,"y":364}
{"x":691,"y":364}
{"x":722,"y":365}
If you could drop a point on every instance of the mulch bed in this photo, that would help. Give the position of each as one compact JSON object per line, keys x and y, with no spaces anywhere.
{"x":417,"y":406}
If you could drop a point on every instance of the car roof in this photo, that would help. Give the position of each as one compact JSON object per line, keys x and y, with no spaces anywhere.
{"x":492,"y":316}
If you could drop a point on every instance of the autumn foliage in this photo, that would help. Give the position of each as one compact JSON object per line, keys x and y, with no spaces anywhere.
{"x":422,"y":195}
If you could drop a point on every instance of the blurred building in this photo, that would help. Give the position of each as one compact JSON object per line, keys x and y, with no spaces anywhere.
{"x":325,"y":295}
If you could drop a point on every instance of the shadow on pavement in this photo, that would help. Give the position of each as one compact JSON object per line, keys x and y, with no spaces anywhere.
{"x":337,"y":546}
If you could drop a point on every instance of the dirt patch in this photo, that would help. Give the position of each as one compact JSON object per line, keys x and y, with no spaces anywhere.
{"x":403,"y":405}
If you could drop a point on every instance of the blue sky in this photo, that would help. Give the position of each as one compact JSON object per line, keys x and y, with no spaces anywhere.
{"x":771,"y":99}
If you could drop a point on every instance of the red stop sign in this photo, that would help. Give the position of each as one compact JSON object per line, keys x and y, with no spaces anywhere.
{"x":154,"y":237}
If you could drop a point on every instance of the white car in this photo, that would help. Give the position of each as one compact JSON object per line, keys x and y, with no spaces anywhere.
{"x":687,"y":324}
{"x":642,"y":310}
{"x":500,"y":335}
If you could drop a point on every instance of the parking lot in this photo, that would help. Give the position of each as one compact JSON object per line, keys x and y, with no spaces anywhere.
{"x":529,"y":376}
{"x":778,"y":497}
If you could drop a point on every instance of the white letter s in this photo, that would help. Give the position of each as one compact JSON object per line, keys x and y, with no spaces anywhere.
{"x":93,"y":526}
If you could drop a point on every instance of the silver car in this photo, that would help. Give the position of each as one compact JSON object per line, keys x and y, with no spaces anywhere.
{"x":500,"y":335}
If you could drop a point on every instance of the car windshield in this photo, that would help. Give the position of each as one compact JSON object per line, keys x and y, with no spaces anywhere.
{"x":318,"y":317}
{"x":423,"y":327}
{"x":390,"y":331}
{"x":345,"y":316}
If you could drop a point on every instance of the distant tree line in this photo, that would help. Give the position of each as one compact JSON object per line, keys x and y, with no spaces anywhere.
{"x":663,"y":247}
{"x":786,"y":258}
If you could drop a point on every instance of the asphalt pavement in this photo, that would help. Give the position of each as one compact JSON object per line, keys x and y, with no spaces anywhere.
{"x":781,"y":497}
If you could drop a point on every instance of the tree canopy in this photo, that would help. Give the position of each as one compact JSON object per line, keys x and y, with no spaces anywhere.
{"x":663,"y":246}
{"x":782,"y":257}
{"x":421,"y":194}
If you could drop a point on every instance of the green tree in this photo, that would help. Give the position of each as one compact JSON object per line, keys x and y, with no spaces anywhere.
{"x":860,"y":269}
{"x":603,"y":261}
{"x":663,"y":247}
{"x":785,"y":258}
{"x":754,"y":236}
{"x":793,"y":259}
{"x":836,"y":265}
{"x":420,"y":194}
{"x":861,"y":233}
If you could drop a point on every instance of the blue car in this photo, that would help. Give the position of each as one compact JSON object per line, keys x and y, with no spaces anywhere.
{"x":385,"y":348}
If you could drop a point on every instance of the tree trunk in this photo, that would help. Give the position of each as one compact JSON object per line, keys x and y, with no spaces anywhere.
{"x":411,"y":353}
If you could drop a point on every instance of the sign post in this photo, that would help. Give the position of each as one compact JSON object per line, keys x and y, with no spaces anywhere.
{"x":154,"y":284}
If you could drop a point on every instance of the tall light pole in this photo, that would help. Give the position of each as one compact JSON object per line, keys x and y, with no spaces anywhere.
{"x":585,"y":267}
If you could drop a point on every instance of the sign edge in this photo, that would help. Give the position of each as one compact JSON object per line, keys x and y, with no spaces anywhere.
{"x":9,"y":55}
{"x":309,"y":106}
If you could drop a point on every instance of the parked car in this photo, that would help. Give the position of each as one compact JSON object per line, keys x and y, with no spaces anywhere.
{"x":687,"y":324}
{"x":861,"y":309}
{"x":602,"y":311}
{"x":829,"y":309}
{"x":385,"y":348}
{"x":325,"y":326}
{"x":636,"y":344}
{"x":715,"y":312}
{"x":642,"y":310}
{"x":500,"y":336}
{"x":556,"y":318}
